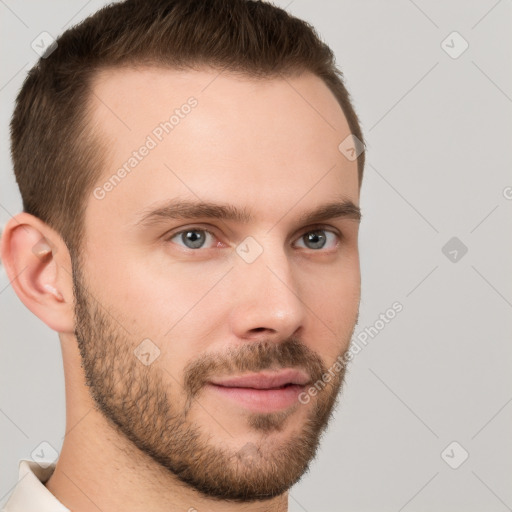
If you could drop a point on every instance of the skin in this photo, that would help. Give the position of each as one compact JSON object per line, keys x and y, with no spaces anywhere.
{"x":254,"y":144}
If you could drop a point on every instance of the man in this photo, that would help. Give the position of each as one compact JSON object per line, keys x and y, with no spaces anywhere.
{"x":190,"y":174}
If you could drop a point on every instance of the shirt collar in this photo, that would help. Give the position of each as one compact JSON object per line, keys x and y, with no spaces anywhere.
{"x":30,"y":494}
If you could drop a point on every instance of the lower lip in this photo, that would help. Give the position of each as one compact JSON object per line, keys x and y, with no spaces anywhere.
{"x":261,"y":400}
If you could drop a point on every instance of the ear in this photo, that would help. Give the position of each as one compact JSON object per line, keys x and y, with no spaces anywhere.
{"x":38,"y":265}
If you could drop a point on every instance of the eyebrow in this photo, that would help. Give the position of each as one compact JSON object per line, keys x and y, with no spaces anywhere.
{"x":187,"y":210}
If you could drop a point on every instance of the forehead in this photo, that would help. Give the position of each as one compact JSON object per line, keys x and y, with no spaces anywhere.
{"x":216,"y":135}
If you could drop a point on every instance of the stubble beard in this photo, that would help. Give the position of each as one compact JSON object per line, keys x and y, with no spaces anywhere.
{"x":135,"y":400}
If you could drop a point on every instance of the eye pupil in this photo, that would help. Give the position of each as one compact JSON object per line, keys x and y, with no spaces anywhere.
{"x":316,"y":238}
{"x":192,"y":239}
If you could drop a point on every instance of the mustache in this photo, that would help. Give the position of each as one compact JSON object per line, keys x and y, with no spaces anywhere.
{"x":253,"y":357}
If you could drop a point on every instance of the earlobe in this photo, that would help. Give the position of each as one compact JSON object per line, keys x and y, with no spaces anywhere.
{"x":35,"y":260}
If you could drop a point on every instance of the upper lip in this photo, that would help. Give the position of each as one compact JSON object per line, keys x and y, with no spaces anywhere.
{"x":264,"y":380}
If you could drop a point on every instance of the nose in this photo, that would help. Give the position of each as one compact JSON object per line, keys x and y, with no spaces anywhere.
{"x":267,"y":300}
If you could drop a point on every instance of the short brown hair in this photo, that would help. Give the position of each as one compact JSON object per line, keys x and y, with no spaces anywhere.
{"x":57,"y":158}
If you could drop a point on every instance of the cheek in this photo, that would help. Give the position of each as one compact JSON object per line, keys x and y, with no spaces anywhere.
{"x":168,"y":304}
{"x":334,"y":290}
{"x":333,"y":298}
{"x":148,"y":292}
{"x":335,"y":307}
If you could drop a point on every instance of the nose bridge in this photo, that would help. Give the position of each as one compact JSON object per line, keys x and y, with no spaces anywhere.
{"x":269,"y":294}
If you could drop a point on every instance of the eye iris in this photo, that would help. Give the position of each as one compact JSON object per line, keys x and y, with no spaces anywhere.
{"x":193,"y":238}
{"x":316,"y":238}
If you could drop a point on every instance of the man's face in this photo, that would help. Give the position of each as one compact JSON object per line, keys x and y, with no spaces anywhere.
{"x":199,"y":334}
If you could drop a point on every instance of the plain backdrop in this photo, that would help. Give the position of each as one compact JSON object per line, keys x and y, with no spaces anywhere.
{"x":433,"y":386}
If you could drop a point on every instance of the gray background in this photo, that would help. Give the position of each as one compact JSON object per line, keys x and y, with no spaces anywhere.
{"x":439,"y":133}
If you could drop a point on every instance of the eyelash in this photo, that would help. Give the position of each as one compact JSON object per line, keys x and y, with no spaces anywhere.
{"x":338,"y":235}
